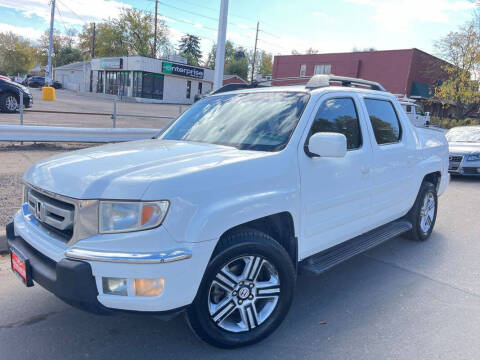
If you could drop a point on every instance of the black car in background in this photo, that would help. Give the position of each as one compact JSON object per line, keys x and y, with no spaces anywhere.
{"x":39,"y":81}
{"x":36,"y":81}
{"x":10,"y":93}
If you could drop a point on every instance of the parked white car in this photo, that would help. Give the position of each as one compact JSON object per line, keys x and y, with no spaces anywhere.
{"x":464,"y":144}
{"x":415,"y":112}
{"x":217,"y":215}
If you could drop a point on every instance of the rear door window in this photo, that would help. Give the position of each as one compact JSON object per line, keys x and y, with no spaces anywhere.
{"x":384,"y":120}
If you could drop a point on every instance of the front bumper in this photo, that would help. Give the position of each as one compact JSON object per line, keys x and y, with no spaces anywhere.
{"x":70,"y":280}
{"x":181,"y":267}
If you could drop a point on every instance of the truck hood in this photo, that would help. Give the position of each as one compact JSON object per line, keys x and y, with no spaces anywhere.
{"x":125,"y":170}
{"x":463,"y":147}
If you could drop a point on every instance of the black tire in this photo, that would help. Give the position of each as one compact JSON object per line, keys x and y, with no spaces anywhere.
{"x":5,"y":100}
{"x":243,"y":244}
{"x":418,"y":232}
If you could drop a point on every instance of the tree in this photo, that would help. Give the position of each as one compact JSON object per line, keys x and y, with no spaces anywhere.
{"x":16,"y":54}
{"x":236,"y":59}
{"x":462,"y":49}
{"x":311,"y":51}
{"x":132,"y":33}
{"x":63,"y":48}
{"x":266,"y":63}
{"x":189,"y":47}
{"x":68,"y":55}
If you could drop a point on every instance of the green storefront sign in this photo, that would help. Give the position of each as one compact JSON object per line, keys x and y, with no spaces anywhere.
{"x":182,"y":70}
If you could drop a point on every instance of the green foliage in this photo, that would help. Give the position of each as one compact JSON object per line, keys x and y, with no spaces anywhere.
{"x":462,"y":49}
{"x":17,"y":56}
{"x":68,"y":55}
{"x":189,"y":47}
{"x":60,"y":41}
{"x":447,"y":123}
{"x":131,"y":34}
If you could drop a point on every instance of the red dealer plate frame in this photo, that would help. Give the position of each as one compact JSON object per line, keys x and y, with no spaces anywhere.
{"x":21,"y":267}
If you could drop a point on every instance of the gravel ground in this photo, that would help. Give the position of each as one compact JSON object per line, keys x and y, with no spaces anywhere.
{"x":14,"y":161}
{"x":73,"y":102}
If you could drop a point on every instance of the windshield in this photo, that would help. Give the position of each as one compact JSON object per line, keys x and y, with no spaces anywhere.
{"x":466,"y":134}
{"x":254,"y":121}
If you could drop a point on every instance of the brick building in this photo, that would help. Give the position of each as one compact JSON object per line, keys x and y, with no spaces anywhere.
{"x":410,"y":72}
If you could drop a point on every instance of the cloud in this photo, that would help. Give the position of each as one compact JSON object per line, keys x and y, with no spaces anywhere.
{"x":71,"y":13}
{"x":27,"y":32}
{"x":398,"y":15}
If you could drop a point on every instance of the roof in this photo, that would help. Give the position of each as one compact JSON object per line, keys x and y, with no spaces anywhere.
{"x":79,"y":65}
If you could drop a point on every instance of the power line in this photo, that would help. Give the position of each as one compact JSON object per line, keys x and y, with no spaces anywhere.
{"x":74,"y":13}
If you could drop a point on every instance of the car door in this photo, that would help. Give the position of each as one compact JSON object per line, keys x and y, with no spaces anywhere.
{"x":335,"y":192}
{"x":394,"y":159}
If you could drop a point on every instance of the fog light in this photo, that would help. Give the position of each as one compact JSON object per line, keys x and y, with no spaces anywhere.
{"x":114,"y":286}
{"x":148,"y":287}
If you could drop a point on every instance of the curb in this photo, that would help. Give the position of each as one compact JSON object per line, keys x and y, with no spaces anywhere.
{"x":3,"y":244}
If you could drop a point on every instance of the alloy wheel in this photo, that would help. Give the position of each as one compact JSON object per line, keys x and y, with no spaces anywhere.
{"x":427,"y":212}
{"x":244,"y":294}
{"x":11,"y":103}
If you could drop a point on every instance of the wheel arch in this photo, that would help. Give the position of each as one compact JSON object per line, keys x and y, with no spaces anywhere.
{"x":279,"y":226}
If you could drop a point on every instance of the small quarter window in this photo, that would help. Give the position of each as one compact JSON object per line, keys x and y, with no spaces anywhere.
{"x":384,"y":120}
{"x":339,"y":116}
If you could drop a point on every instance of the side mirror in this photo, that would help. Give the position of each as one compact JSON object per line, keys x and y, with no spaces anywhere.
{"x":327,"y":145}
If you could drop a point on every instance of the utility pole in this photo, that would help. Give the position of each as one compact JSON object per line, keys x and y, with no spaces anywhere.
{"x":155,"y":37}
{"x":222,"y":35}
{"x":255,"y":51}
{"x":48,"y":76}
{"x":92,"y":50}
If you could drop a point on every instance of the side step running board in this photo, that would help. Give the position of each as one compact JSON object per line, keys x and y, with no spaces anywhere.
{"x":327,"y":259}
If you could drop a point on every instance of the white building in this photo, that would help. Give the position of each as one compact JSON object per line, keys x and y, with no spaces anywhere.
{"x":149,"y":80}
{"x":74,"y":76}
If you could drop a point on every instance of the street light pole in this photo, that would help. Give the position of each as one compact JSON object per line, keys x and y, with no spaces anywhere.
{"x":48,"y":76}
{"x":222,"y":35}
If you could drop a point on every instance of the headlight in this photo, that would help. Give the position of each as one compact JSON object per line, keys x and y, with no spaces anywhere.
{"x":124,"y":216}
{"x":473,"y":157}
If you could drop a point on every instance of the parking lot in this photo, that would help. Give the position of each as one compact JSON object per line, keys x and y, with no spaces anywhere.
{"x":69,"y":101}
{"x":402,"y":300}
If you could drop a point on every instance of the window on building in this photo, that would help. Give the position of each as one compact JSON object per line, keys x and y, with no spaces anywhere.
{"x":189,"y":89}
{"x":303,"y":70}
{"x":409,"y":109}
{"x":200,"y":85}
{"x":148,"y":85}
{"x":384,"y":121}
{"x":339,"y":116}
{"x":100,"y":82}
{"x":117,"y":82}
{"x":323,"y":69}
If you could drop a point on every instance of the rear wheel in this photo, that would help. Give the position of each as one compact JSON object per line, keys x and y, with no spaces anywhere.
{"x":246,"y":291}
{"x":423,"y":214}
{"x":8,"y":103}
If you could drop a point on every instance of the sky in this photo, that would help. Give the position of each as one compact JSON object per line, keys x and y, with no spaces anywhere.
{"x":326,"y":25}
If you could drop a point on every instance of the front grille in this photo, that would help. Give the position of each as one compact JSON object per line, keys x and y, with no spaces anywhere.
{"x":454,"y":162}
{"x":456,"y":158}
{"x":55,"y":215}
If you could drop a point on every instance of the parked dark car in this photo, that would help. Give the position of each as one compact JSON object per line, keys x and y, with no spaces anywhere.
{"x":10,"y":93}
{"x":36,"y":81}
{"x":57,"y":84}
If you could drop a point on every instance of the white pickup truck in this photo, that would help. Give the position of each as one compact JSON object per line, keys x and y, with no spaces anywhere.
{"x":415,"y":112}
{"x":217,"y":215}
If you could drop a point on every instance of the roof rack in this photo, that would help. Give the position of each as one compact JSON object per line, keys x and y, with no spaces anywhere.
{"x":319,"y":81}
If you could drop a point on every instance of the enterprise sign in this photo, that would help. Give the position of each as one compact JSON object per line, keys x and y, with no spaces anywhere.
{"x":182,"y":70}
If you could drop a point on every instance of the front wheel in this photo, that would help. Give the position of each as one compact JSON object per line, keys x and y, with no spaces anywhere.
{"x":9,"y":103}
{"x":246,"y":291}
{"x":423,"y":214}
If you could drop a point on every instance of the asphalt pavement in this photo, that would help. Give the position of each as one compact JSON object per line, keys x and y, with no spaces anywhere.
{"x":402,"y":300}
